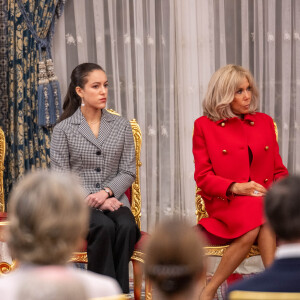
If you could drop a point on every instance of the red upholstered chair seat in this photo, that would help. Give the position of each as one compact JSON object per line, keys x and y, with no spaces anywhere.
{"x":3,"y":216}
{"x":140,"y":245}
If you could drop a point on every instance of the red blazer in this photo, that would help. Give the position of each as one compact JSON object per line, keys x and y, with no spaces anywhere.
{"x":221,"y":155}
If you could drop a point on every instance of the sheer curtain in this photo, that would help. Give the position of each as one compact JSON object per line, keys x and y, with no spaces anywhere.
{"x":264,"y":36}
{"x":134,"y":41}
{"x":159,"y":56}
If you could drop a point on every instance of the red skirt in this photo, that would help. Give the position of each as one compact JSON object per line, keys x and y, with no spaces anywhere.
{"x":231,"y":218}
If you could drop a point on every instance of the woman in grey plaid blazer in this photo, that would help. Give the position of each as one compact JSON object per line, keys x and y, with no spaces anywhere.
{"x":99,"y":147}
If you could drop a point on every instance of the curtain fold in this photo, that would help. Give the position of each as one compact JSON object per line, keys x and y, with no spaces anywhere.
{"x":28,"y":144}
{"x":159,"y":56}
{"x":3,"y":65}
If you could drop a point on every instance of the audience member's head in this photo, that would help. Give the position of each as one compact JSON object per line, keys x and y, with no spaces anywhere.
{"x":175,"y":261}
{"x":51,"y":283}
{"x":282,"y":206}
{"x":48,"y":218}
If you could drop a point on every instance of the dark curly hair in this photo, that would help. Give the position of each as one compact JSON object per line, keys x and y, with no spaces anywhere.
{"x":47,"y":218}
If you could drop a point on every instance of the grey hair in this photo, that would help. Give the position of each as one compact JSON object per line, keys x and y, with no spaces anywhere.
{"x":47,"y":217}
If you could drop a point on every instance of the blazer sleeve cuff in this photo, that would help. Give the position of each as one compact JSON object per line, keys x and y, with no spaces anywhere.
{"x":120,"y":184}
{"x":217,"y":187}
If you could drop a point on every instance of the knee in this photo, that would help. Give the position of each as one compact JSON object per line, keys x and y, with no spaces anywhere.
{"x":127,"y":228}
{"x":250,"y":236}
{"x":129,"y":225}
{"x":109,"y":228}
{"x":103,"y":225}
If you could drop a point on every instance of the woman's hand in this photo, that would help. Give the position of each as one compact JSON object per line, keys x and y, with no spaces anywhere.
{"x":250,"y":188}
{"x":97,"y":199}
{"x":111,"y":204}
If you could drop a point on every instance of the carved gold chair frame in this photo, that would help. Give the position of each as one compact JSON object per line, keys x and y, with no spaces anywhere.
{"x":2,"y":156}
{"x":4,"y":266}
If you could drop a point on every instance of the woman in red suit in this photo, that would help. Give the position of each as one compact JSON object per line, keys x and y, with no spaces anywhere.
{"x":236,"y":160}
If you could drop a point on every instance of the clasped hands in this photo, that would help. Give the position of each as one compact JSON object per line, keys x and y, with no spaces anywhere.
{"x":250,"y":188}
{"x":101,"y":201}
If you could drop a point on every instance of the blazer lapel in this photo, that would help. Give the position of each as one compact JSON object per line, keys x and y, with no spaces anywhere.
{"x":84,"y":129}
{"x":105,"y":126}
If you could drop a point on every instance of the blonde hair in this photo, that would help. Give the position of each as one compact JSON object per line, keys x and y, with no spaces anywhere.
{"x":174,"y":257}
{"x":221,"y":89}
{"x":47,"y":217}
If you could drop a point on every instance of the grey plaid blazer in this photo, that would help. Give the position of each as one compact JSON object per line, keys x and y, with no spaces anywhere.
{"x":106,"y":161}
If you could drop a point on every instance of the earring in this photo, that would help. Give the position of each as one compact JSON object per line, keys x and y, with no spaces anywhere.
{"x":82,"y":103}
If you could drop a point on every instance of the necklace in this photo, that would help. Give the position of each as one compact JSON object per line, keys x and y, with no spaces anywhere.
{"x":93,"y":123}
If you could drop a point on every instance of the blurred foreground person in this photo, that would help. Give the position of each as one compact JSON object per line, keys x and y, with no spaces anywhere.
{"x":175,"y":262}
{"x":48,"y":219}
{"x":282,"y":207}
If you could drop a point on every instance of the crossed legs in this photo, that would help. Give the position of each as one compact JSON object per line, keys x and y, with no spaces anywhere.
{"x":236,"y":253}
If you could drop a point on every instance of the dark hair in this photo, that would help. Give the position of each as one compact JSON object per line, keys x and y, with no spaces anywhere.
{"x":174,"y":257}
{"x":78,"y":78}
{"x":282,"y":206}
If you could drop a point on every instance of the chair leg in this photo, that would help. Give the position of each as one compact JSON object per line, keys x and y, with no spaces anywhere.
{"x":148,"y":289}
{"x":137,"y":278}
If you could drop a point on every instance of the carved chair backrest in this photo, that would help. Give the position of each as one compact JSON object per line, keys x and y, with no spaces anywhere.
{"x":135,"y":190}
